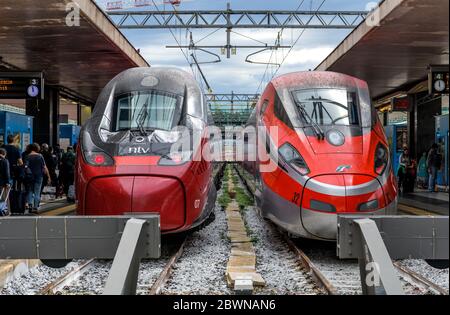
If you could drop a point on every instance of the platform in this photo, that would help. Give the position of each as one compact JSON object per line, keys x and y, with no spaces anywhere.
{"x":437,"y":202}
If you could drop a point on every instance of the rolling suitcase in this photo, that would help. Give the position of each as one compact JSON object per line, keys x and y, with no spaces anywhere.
{"x":71,"y":194}
{"x":4,"y":211}
{"x":17,"y":199}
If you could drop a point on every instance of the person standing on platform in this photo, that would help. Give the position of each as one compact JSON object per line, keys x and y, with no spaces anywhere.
{"x":422,"y":172}
{"x":404,"y":173}
{"x":14,"y":158}
{"x":44,"y":153}
{"x":47,"y":154}
{"x":434,"y":161}
{"x":68,"y":169}
{"x":35,"y":170}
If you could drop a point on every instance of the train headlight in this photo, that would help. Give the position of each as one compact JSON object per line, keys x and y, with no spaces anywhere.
{"x":92,"y":154}
{"x":293,"y":158}
{"x":381,"y":159}
{"x":98,"y":158}
{"x":336,"y":138}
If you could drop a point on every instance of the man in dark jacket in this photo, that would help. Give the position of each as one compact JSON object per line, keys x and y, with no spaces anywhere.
{"x":5,"y":175}
{"x":13,"y":155}
{"x":68,"y":169}
{"x":5,"y":183}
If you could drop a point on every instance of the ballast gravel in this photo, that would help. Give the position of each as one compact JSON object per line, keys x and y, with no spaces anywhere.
{"x":201,"y":268}
{"x":437,"y":276}
{"x":275,"y":262}
{"x":36,"y":279}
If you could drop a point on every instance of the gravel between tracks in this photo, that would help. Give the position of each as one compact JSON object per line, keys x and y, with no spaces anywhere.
{"x":93,"y":281}
{"x":201,"y":268}
{"x":437,"y":276}
{"x":343,"y":274}
{"x":36,"y":279}
{"x":275,"y":262}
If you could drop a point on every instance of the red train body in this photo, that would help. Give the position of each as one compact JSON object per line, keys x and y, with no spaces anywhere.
{"x":332,"y":153}
{"x":125,"y":159}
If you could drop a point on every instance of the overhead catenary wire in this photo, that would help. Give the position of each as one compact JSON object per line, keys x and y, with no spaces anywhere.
{"x":196,"y":75}
{"x":248,"y":37}
{"x":208,"y":35}
{"x":175,"y":38}
{"x":296,"y":41}
{"x":280,"y":33}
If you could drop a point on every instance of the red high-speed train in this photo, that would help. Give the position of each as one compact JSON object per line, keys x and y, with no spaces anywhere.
{"x":332,"y":154}
{"x":126,"y":162}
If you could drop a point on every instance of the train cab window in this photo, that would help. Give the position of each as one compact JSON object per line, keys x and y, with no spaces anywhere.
{"x":280,"y":112}
{"x":328,"y":107}
{"x":264,"y":107}
{"x":146,"y":110}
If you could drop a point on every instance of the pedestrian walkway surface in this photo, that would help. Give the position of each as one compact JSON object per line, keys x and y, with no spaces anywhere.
{"x":436,"y":202}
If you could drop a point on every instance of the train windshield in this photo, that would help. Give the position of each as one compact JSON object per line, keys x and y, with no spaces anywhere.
{"x":146,"y":111}
{"x":327,"y":107}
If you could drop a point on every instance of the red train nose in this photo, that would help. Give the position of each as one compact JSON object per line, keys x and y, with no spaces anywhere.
{"x":343,"y":193}
{"x":328,"y":195}
{"x":121,"y":194}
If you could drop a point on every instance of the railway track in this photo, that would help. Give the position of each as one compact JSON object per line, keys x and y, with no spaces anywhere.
{"x":158,"y":285}
{"x":418,"y":281}
{"x":69,"y":282}
{"x":58,"y":286}
{"x":342,"y":277}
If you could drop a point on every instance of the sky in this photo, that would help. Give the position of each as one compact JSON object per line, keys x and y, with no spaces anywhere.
{"x":235,"y":74}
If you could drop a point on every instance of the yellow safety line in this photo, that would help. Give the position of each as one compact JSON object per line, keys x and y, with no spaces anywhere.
{"x":60,"y":211}
{"x":415,"y":211}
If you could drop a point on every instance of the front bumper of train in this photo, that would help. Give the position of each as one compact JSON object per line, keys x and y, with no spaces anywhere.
{"x":303,"y":222}
{"x":172,"y":192}
{"x":324,"y":225}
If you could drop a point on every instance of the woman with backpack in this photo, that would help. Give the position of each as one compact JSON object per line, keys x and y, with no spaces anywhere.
{"x":35,"y":169}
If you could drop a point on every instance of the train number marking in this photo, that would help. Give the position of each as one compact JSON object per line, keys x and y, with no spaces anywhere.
{"x":296,"y":197}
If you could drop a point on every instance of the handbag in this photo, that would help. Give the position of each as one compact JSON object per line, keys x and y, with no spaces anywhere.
{"x":28,"y":174}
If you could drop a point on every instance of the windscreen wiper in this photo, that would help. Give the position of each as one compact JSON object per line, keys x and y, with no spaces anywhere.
{"x":314,"y":125}
{"x":141,"y":118}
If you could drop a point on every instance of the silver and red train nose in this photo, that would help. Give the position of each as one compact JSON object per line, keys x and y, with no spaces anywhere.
{"x":326,"y":196}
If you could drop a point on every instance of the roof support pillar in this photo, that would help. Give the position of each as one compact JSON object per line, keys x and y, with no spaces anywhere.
{"x":46,"y":114}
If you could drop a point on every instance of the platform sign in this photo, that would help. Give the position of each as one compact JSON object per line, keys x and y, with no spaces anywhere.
{"x":401,"y":104}
{"x":401,"y":136}
{"x":21,"y":85}
{"x":438,"y":80}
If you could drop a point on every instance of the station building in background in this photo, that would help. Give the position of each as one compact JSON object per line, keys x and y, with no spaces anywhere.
{"x":403,"y":54}
{"x":53,"y":66}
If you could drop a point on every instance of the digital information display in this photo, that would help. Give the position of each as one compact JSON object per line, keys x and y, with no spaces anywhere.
{"x":400,"y":104}
{"x":21,"y":85}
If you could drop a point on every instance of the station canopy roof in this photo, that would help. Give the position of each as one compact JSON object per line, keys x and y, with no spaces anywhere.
{"x":411,"y":35}
{"x":34,"y":36}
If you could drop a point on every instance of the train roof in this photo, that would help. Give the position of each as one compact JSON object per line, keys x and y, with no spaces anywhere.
{"x":168,"y":80}
{"x":316,"y":79}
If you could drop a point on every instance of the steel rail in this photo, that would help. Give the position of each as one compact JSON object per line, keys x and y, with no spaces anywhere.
{"x":57,"y":286}
{"x":419,"y":280}
{"x":317,"y":275}
{"x":164,"y":276}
